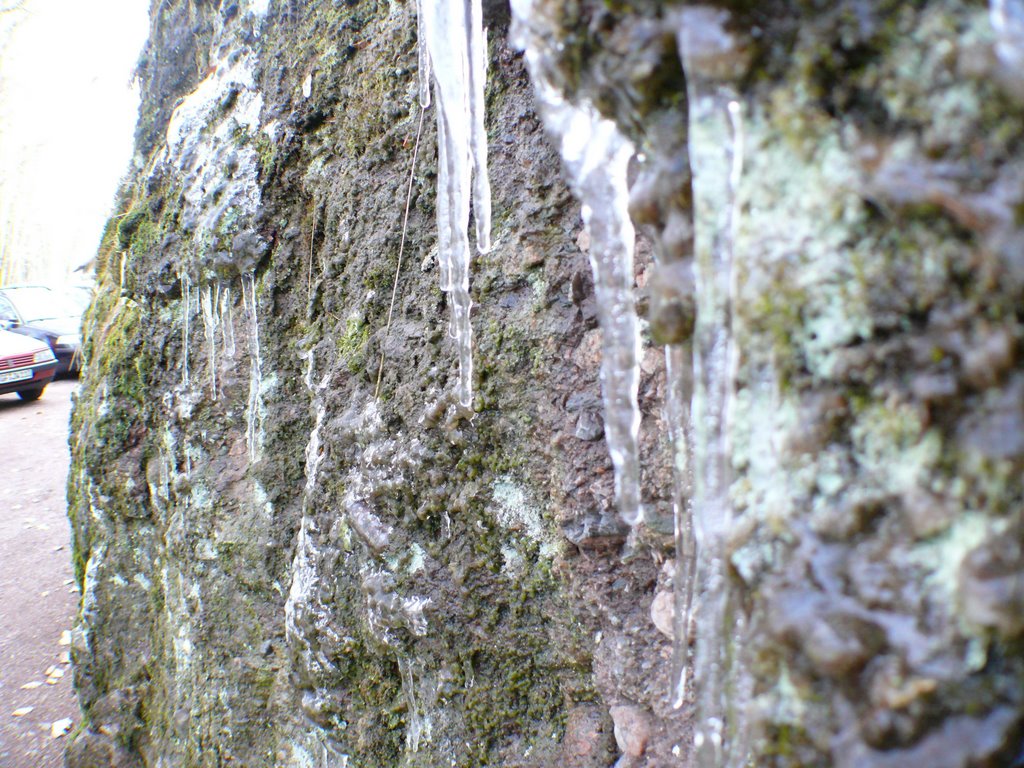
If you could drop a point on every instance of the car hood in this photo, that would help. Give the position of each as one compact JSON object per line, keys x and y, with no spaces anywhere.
{"x":59,"y":326}
{"x":18,"y":344}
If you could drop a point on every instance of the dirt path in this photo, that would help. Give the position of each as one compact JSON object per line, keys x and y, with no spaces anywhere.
{"x":37,"y":602}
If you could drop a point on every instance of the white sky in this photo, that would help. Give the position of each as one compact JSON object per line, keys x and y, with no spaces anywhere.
{"x":67,"y":116}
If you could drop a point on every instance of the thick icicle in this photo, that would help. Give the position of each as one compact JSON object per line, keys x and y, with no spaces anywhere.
{"x":716,"y":157}
{"x":478,"y":134}
{"x":451,"y":33}
{"x":423,"y":55}
{"x":678,"y":399}
{"x":595,"y":156}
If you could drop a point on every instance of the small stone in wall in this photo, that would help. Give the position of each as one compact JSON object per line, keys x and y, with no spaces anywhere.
{"x":588,"y":741}
{"x":662,"y":613}
{"x":589,"y":426}
{"x":632,"y":729}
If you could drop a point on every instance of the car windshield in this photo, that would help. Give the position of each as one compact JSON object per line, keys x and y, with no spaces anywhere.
{"x":77,"y":297}
{"x":36,"y":303}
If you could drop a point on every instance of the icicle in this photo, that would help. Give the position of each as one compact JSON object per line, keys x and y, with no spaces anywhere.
{"x":1007,"y":18}
{"x":208,"y":299}
{"x":595,"y":155}
{"x":452,"y":37}
{"x":478,"y":135}
{"x":424,"y":56}
{"x":186,"y":295}
{"x":680,"y":392}
{"x":255,"y":407}
{"x":716,"y":157}
{"x":227,"y":324}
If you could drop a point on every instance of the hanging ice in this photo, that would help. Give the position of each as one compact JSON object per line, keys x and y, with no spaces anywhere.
{"x":678,"y":401}
{"x":209,"y":301}
{"x":716,"y":158}
{"x":595,"y":155}
{"x":1007,"y":17}
{"x":186,"y":298}
{"x":254,"y":410}
{"x":452,"y":45}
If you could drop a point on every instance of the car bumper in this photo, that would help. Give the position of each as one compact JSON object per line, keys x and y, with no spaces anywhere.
{"x":29,"y":377}
{"x":69,"y":359}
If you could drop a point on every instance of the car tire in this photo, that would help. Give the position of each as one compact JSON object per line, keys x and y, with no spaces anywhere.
{"x":30,"y":394}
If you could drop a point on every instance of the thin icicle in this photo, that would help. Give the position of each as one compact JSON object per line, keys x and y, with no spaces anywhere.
{"x":716,"y":157}
{"x":227,"y":323}
{"x":186,"y":296}
{"x":209,"y":299}
{"x":253,"y":413}
{"x":451,"y":33}
{"x":595,"y":156}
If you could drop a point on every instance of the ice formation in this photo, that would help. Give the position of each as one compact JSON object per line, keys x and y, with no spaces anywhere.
{"x":716,"y":161}
{"x":595,"y":155}
{"x":221,"y":195}
{"x":678,"y":400}
{"x":1007,"y":18}
{"x":253,"y":413}
{"x":304,"y":573}
{"x":202,"y":141}
{"x":452,"y":47}
{"x":186,"y":300}
{"x":209,"y":301}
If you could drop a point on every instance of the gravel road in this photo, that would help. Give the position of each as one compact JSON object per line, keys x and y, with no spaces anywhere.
{"x":37,"y":599}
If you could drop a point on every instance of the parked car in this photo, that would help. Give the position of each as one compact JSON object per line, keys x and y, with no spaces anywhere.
{"x":78,"y":295}
{"x":45,"y":314}
{"x":27,"y":365}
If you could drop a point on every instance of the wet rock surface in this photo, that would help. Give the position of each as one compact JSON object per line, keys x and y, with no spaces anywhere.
{"x":282,"y":564}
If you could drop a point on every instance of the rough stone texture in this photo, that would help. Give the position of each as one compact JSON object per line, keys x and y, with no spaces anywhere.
{"x":876,"y":465}
{"x":280,"y":569}
{"x":277,"y":569}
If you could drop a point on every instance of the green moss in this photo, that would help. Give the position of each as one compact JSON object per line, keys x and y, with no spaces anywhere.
{"x":351,"y":345}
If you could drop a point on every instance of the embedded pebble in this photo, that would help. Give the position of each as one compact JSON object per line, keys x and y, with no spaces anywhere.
{"x":662,"y":613}
{"x":632,"y":729}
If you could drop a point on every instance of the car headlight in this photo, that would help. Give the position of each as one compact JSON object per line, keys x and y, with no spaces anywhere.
{"x":69,"y":340}
{"x":42,"y":356}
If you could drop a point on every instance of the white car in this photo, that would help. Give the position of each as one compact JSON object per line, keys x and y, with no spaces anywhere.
{"x":27,"y":365}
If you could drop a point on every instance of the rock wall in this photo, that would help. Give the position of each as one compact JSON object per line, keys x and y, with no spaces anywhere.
{"x":292,"y":554}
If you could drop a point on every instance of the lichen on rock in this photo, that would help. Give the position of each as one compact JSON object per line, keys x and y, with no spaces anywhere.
{"x":281,"y":565}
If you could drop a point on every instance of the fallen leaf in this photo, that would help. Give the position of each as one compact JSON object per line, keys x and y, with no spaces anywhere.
{"x":60,"y":727}
{"x":49,"y":670}
{"x":68,"y":582}
{"x":65,"y":637}
{"x":57,"y":672}
{"x":65,"y":657}
{"x":32,"y":686}
{"x":22,"y":711}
